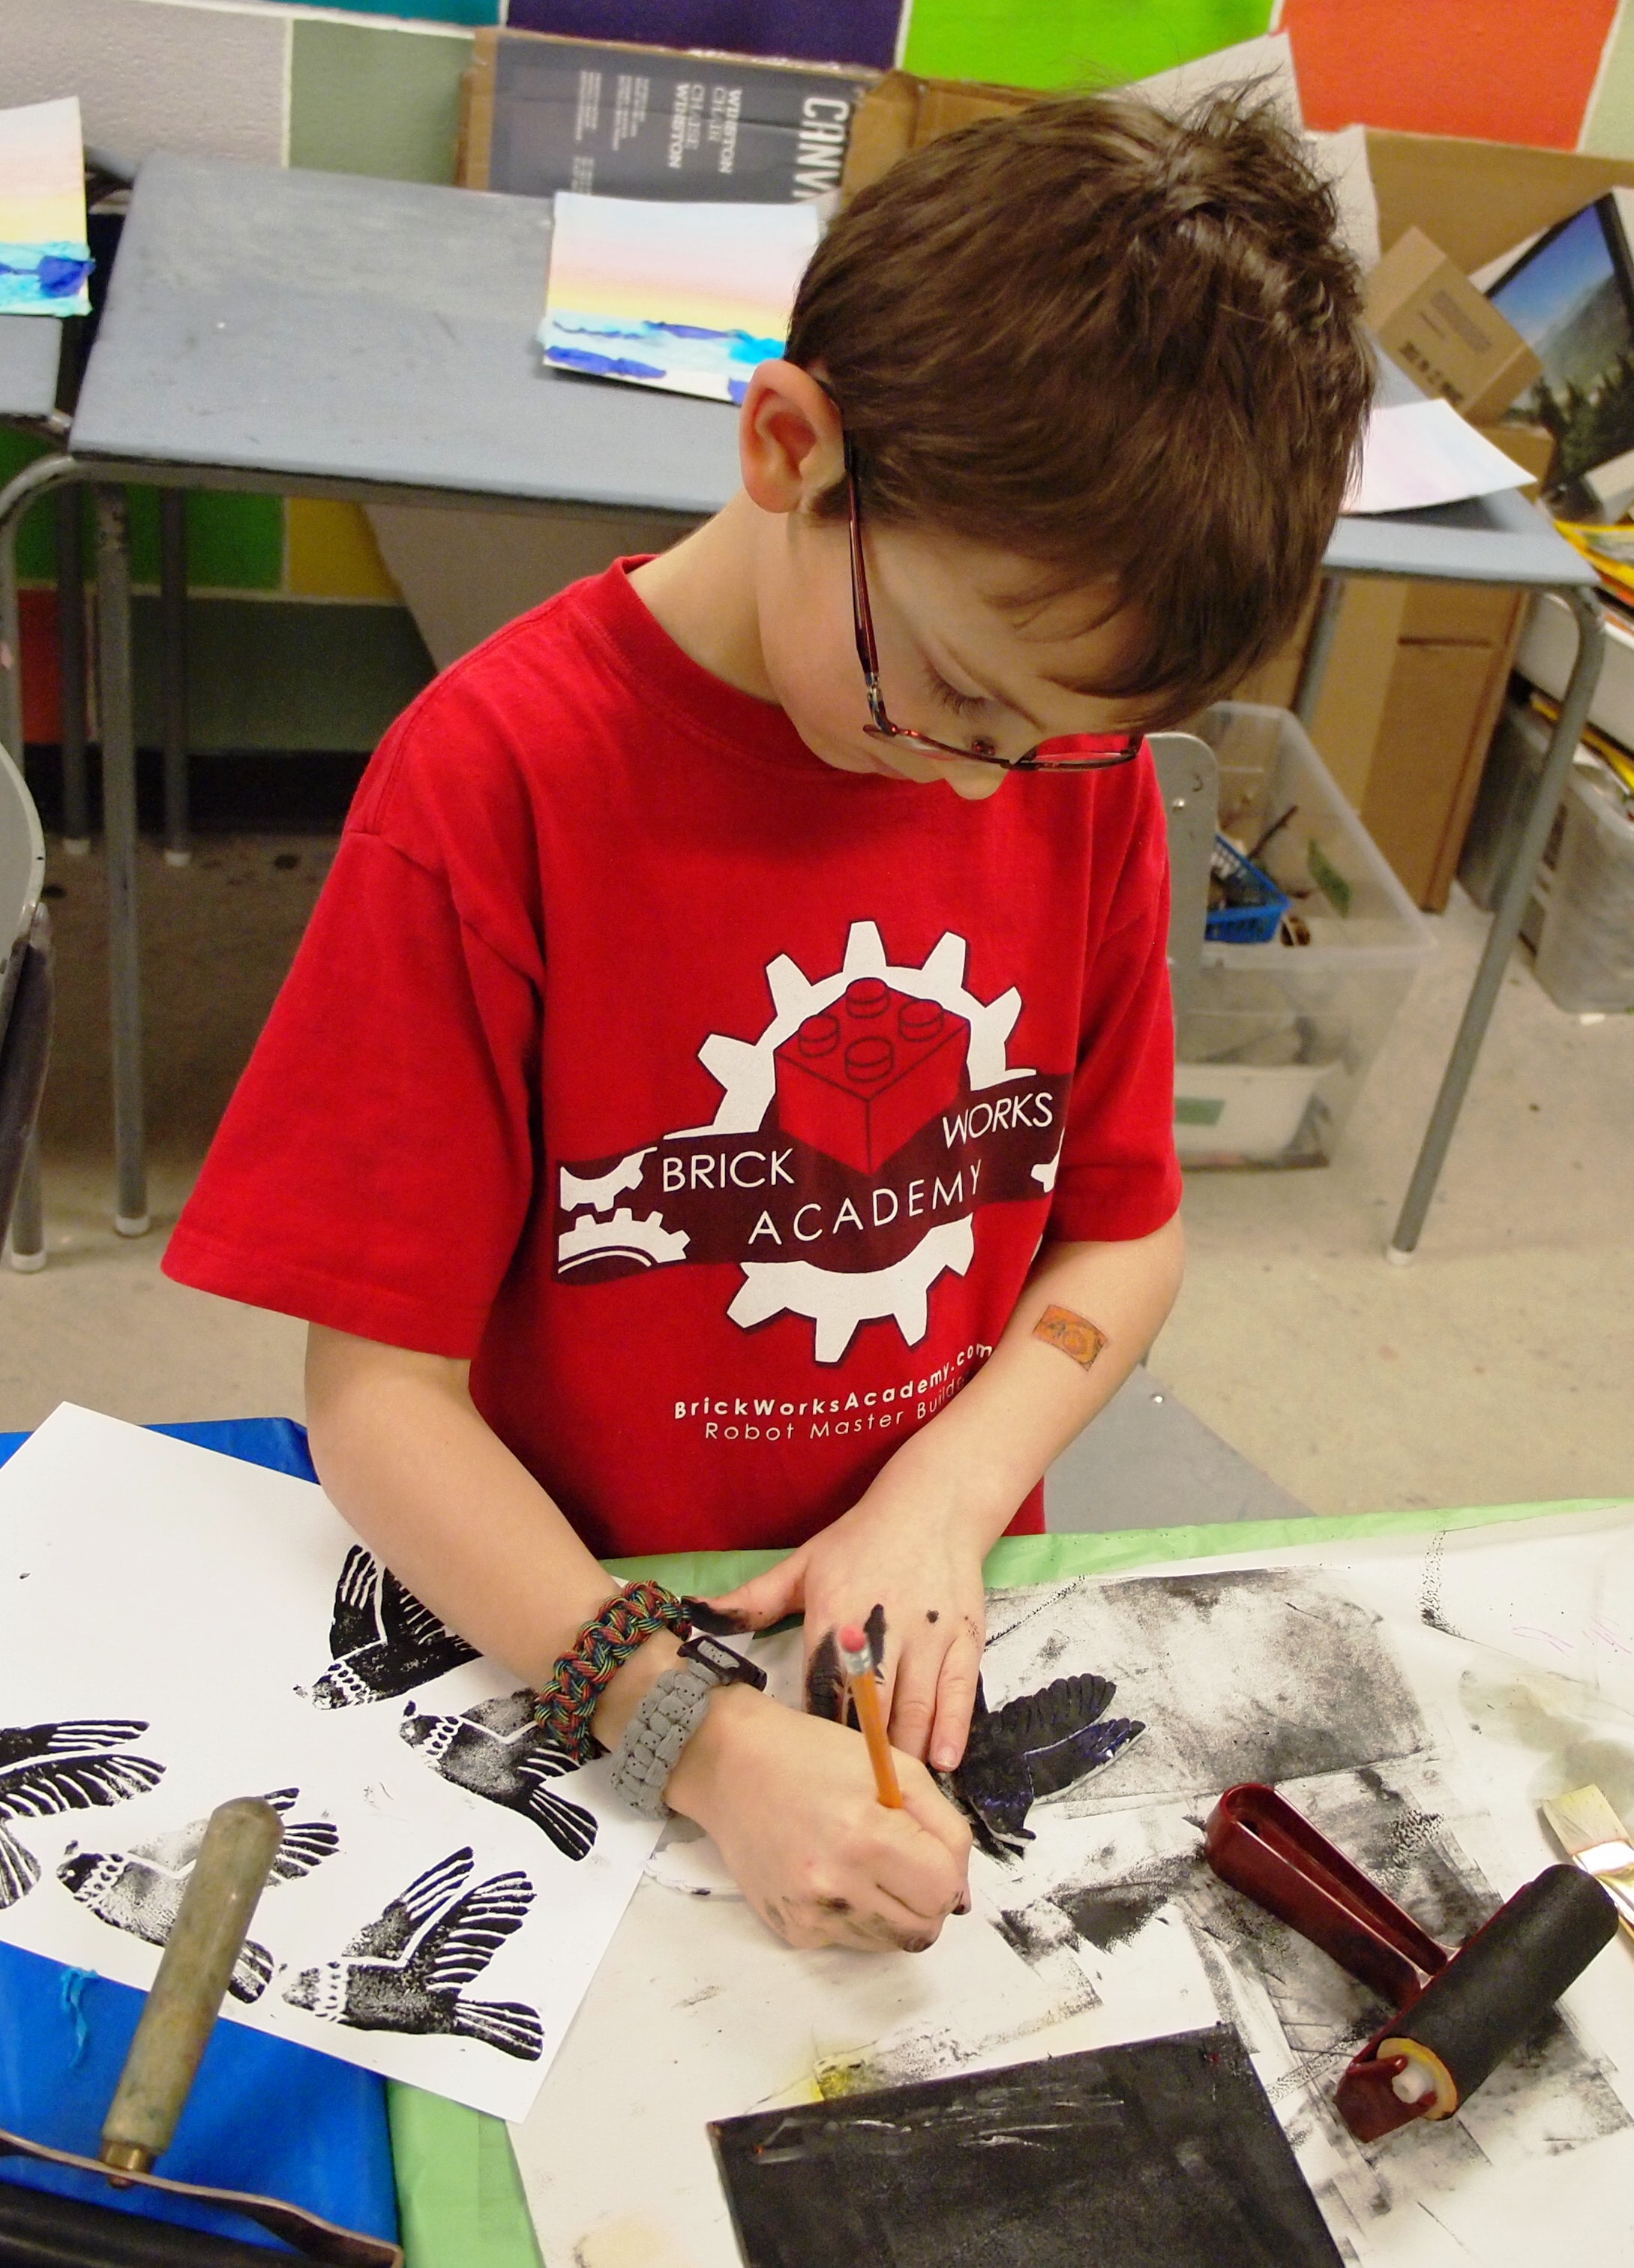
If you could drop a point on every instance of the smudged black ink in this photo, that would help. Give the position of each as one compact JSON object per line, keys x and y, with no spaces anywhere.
{"x":1109,"y":1919}
{"x":1430,"y":1606}
{"x":500,"y":1751}
{"x":1034,"y":1747}
{"x":873,"y":1630}
{"x":715,"y":1621}
{"x":383,"y":1640}
{"x":825,"y":1682}
{"x":140,"y":1890}
{"x":407,"y":1970}
{"x":47,"y":1769}
{"x":931,"y":1616}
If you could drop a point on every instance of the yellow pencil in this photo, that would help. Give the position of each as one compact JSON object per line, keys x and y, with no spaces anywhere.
{"x":855,"y":1654}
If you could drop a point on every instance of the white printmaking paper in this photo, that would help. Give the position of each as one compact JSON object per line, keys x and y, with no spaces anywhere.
{"x":445,"y":1889}
{"x":1419,"y":454}
{"x":1417,"y":1700}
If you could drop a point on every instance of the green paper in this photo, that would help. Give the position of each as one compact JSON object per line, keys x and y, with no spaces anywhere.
{"x":458,"y":2191}
{"x":1076,"y":42}
{"x":383,"y":101}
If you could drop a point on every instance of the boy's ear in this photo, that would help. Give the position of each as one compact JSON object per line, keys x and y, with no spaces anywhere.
{"x":789,"y":438}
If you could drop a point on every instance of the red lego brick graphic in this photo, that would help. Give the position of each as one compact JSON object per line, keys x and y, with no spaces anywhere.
{"x":858,"y":1079}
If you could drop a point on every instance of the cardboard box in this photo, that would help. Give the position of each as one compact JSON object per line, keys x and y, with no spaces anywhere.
{"x":540,"y":114}
{"x":904,"y":112}
{"x":1431,"y":321}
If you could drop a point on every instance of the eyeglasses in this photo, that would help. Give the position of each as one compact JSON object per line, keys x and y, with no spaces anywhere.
{"x":1082,"y":752}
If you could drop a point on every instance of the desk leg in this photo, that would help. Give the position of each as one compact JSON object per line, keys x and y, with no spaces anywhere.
{"x":1318,"y":646}
{"x":71,"y":643}
{"x":118,"y":828}
{"x":1507,"y":921}
{"x":26,"y":1243}
{"x":172,"y":593}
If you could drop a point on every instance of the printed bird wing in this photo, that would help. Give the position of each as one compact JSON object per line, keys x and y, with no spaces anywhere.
{"x":391,"y":1936}
{"x":545,"y":1758}
{"x":34,"y":1791}
{"x":252,"y":1972}
{"x":405,"y":1617}
{"x":460,"y":1946}
{"x":1076,"y":1754}
{"x":356,"y":1620}
{"x":304,"y":1846}
{"x":504,"y":1716}
{"x":76,"y":1735}
{"x":19,"y":1870}
{"x":1055,"y":1712}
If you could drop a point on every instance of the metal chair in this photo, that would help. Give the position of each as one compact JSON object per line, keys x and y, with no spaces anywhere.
{"x":25,"y":1014}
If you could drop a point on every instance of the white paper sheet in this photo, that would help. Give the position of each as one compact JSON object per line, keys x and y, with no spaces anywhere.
{"x":165,"y":1620}
{"x":1407,"y":1698}
{"x":1422,"y":453}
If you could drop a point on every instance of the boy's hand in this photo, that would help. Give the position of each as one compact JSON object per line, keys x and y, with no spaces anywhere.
{"x":791,"y":1805}
{"x":926,"y":1575}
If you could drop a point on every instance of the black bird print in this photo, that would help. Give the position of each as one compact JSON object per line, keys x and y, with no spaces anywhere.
{"x":140,"y":1890}
{"x":1035,"y":1746}
{"x":500,"y":1750}
{"x":407,"y":1971}
{"x":384,"y":1642}
{"x":45,"y":1769}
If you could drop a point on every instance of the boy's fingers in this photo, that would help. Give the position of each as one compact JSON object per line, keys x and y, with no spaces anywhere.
{"x":767,"y":1598}
{"x":955,"y":1700}
{"x":927,"y":1808}
{"x":912,"y":1704}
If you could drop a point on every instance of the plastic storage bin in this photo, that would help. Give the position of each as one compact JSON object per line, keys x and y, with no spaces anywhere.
{"x":1279,"y":1038}
{"x":1586,"y":948}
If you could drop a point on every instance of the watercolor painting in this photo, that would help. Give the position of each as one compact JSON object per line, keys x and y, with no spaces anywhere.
{"x":687,"y":298}
{"x":44,"y":257}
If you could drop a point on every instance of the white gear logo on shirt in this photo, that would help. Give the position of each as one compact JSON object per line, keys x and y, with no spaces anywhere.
{"x":836,"y":1302}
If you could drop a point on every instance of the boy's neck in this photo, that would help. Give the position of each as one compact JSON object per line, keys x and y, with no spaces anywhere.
{"x":703,"y":593}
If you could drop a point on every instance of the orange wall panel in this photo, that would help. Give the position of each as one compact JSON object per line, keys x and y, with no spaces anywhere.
{"x":1498,"y":71}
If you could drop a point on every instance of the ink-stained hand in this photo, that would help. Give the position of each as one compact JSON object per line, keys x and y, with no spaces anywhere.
{"x":791,"y":1804}
{"x":894,"y":1550}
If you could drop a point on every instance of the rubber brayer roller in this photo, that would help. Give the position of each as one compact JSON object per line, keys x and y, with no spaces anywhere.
{"x":1458,"y":2014}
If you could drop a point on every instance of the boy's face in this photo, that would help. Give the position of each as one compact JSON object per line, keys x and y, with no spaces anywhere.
{"x":959,"y":659}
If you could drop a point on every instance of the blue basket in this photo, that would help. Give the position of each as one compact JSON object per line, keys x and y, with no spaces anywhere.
{"x":1256,"y":918}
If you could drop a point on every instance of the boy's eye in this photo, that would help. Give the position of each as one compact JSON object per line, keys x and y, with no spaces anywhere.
{"x":962,"y":705}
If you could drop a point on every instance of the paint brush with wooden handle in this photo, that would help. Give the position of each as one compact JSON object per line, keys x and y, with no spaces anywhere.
{"x":857,"y":1659}
{"x":1593,"y":1836}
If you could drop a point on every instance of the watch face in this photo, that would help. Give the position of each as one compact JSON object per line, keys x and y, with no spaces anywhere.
{"x":728,"y":1665}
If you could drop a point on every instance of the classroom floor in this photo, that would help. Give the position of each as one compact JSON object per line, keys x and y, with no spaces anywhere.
{"x":1495,"y":1369}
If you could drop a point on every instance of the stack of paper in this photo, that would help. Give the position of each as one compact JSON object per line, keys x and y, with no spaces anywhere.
{"x":689,"y":297}
{"x":44,"y":256}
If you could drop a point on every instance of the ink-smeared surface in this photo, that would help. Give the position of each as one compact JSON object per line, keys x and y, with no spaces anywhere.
{"x":1164,"y":2152}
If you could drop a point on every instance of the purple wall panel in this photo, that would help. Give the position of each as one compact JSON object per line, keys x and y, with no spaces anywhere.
{"x":810,"y":31}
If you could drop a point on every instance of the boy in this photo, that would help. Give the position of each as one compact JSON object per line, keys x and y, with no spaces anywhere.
{"x":724,"y":1097}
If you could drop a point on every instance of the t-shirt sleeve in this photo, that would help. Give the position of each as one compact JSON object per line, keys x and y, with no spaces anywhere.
{"x":1118,"y":1176}
{"x":376,"y":1164}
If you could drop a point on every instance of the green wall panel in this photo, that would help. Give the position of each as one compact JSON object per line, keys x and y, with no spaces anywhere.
{"x":36,"y":551}
{"x":283,"y":674}
{"x":1073,"y":42}
{"x":376,"y":101}
{"x":234,"y":542}
{"x":425,"y":12}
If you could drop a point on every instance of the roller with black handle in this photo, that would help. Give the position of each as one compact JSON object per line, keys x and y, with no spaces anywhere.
{"x":1434,"y":2052}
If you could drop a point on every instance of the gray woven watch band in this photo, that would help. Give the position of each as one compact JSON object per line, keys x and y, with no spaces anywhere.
{"x":668,"y":1716}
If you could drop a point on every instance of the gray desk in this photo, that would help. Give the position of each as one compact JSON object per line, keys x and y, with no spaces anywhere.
{"x":31,"y":349}
{"x":336,"y":336}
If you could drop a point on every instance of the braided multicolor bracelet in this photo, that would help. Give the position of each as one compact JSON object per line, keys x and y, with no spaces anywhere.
{"x":567,"y":1703}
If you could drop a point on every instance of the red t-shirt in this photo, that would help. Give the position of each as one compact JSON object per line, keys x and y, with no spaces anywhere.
{"x":713,"y":1101}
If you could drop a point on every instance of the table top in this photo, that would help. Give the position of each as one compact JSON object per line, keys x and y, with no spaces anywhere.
{"x":330,"y":326}
{"x":31,"y":347}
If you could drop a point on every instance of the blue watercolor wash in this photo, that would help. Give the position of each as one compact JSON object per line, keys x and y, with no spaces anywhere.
{"x":48,"y":278}
{"x":602,"y":365}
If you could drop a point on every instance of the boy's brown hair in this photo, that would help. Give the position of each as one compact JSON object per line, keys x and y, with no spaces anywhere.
{"x":1117,"y":344}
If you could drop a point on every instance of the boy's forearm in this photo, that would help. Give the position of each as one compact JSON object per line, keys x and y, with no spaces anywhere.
{"x":407,"y":1459}
{"x":994,"y":1441}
